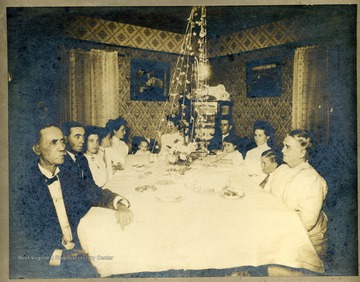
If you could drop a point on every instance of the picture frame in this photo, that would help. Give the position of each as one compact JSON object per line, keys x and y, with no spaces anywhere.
{"x":149,"y":80}
{"x":263,"y":78}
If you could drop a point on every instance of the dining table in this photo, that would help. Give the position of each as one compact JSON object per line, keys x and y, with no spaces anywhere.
{"x":206,"y":215}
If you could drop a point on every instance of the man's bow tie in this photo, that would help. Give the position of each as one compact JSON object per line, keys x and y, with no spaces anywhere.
{"x":51,"y":180}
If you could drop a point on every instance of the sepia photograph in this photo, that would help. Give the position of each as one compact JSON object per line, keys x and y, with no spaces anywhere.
{"x":185,"y":140}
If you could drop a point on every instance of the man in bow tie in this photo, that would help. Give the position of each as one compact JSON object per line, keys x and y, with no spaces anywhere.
{"x":49,"y":206}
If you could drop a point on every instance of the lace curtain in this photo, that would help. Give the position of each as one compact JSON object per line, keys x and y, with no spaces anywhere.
{"x":311,"y":92}
{"x":93,"y":87}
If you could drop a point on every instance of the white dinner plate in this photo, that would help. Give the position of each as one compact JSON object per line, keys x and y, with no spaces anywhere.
{"x":139,"y":167}
{"x":169,"y":198}
{"x":146,"y":188}
{"x":165,"y":182}
{"x":238,"y":195}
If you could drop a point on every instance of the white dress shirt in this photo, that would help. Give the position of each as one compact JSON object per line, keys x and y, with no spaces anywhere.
{"x":142,"y":153}
{"x":116,"y":154}
{"x":101,"y":153}
{"x":98,"y":169}
{"x":235,"y":157}
{"x":252,"y":163}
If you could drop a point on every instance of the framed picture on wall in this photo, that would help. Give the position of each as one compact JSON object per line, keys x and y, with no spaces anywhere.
{"x":263,"y":78}
{"x":149,"y":80}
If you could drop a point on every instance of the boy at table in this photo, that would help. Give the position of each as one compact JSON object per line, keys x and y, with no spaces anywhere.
{"x":46,"y":210}
{"x":270,"y":160}
{"x":230,"y":154}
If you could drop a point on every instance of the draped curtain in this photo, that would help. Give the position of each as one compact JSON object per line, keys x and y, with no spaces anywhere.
{"x":93,"y":87}
{"x":311,"y":91}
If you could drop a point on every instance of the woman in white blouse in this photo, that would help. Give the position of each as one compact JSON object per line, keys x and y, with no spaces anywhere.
{"x":115,"y":155}
{"x":171,"y":136}
{"x":96,"y":162}
{"x":300,"y":187}
{"x":263,"y":135}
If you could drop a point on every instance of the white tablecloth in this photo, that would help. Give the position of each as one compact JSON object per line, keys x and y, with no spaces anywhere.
{"x":177,"y":228}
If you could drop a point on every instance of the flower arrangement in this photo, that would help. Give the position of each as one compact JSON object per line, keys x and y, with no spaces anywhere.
{"x":180,"y":153}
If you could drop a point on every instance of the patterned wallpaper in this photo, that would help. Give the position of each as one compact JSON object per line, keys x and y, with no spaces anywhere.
{"x":268,"y":35}
{"x":120,"y":34}
{"x":229,"y":55}
{"x":264,"y":36}
{"x":143,"y":117}
{"x":276,"y":110}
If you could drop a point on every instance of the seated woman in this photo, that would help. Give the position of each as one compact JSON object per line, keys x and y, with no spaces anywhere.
{"x":300,"y":187}
{"x":263,"y":135}
{"x":270,"y":160}
{"x":115,"y":156}
{"x":96,"y":162}
{"x":230,"y":155}
{"x":172,"y":134}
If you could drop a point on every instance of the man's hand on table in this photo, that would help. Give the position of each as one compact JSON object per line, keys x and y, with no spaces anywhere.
{"x":124,"y":216}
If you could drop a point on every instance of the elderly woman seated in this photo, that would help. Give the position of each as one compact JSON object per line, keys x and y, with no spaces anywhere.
{"x":300,"y":187}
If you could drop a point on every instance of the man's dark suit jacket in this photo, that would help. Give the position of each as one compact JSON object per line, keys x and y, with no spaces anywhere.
{"x":34,"y":223}
{"x":79,"y":168}
{"x":216,"y":142}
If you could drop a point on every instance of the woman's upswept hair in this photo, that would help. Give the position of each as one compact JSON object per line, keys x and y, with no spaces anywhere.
{"x":89,"y":130}
{"x":304,"y":139}
{"x":103,"y":131}
{"x":264,"y":125}
{"x":115,"y":124}
{"x":268,"y":130}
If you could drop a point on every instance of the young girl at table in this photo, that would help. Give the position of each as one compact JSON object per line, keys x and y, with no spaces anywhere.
{"x":143,"y":148}
{"x":171,"y":136}
{"x":115,"y":156}
{"x":230,"y":154}
{"x":96,"y":162}
{"x":263,"y":136}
